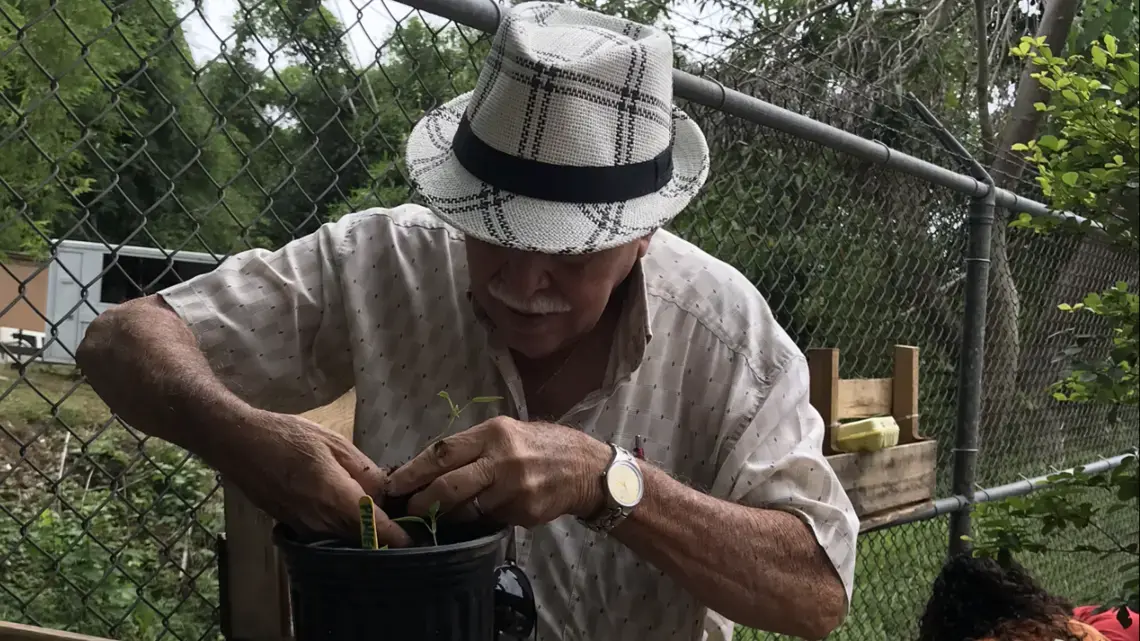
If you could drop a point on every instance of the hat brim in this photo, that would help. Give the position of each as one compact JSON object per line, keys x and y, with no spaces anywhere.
{"x":521,"y":222}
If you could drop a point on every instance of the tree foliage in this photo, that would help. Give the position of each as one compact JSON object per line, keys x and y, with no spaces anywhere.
{"x":112,"y":133}
{"x":1090,"y":167}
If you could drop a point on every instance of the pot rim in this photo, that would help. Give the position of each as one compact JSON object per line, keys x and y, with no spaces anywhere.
{"x":282,"y":532}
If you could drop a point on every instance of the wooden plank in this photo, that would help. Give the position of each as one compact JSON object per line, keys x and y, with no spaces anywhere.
{"x":864,"y":397}
{"x":257,"y":598}
{"x":889,"y":478}
{"x":904,"y":402}
{"x":257,"y":588}
{"x":823,"y":390}
{"x":19,"y":632}
{"x":874,"y":520}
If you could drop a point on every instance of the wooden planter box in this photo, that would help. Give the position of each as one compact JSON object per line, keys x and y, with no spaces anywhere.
{"x":892,"y":482}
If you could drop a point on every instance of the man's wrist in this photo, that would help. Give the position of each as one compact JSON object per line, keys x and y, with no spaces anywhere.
{"x":225,"y":429}
{"x":595,"y":459}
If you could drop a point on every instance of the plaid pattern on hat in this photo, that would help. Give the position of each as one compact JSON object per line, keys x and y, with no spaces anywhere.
{"x":564,"y":87}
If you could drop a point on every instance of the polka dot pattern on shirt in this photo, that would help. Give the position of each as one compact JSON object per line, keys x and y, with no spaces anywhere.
{"x":377,"y":301}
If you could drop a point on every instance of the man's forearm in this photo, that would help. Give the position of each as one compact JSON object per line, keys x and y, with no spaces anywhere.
{"x":145,"y":364}
{"x":760,"y":568}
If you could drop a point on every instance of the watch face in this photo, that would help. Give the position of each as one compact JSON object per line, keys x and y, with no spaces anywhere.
{"x":624,"y":483}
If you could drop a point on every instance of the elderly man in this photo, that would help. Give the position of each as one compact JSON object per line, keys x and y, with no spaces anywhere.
{"x":541,"y":274}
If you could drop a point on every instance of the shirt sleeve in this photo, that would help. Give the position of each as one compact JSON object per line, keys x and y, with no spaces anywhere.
{"x":273,"y":324}
{"x":778,"y":463}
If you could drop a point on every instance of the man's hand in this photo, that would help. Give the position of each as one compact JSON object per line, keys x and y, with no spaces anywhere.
{"x":522,"y":473}
{"x":310,"y":478}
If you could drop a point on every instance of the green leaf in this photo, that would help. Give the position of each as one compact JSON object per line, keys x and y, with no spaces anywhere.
{"x":486,"y":399}
{"x":1049,"y":141}
{"x":1020,"y":147}
{"x":1120,"y":87}
{"x":433,"y":511}
{"x":1100,"y":59}
{"x":1110,"y":43}
{"x":411,"y":519}
{"x":1069,"y":178}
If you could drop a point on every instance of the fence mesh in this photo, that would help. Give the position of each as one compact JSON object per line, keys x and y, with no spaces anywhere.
{"x":141,"y":143}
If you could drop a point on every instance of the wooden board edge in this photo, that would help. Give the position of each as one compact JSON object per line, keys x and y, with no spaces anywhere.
{"x":20,"y":632}
{"x":861,"y":477}
{"x":893,"y":514}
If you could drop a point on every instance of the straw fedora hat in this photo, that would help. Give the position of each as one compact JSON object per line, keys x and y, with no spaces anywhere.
{"x":570,"y":142}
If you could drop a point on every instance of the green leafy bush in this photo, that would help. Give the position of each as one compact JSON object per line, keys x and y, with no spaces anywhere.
{"x":1088,"y":167}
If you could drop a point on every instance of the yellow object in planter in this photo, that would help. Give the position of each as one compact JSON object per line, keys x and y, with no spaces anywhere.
{"x":368,"y":523}
{"x":867,"y":435}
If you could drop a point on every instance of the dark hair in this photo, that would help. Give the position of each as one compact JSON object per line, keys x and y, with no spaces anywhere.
{"x":975,"y":598}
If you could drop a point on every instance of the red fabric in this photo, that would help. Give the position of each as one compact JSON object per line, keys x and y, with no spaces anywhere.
{"x":1106,"y":623}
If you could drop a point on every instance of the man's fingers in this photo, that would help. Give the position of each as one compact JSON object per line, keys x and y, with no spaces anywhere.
{"x":453,"y":488}
{"x":390,"y":533}
{"x":438,"y":458}
{"x":387,"y":532}
{"x":495,"y":502}
{"x":371,"y":477}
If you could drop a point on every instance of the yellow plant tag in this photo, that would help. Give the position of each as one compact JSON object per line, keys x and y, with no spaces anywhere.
{"x":368,"y":524}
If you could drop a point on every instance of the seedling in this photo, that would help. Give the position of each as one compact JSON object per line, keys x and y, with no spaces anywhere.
{"x":431,"y":523}
{"x":367,"y":508}
{"x":455,"y":410}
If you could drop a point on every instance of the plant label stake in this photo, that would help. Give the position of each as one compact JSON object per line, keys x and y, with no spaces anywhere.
{"x":368,"y":539}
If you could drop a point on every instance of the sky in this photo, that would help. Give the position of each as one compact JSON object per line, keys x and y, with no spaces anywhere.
{"x":371,"y":22}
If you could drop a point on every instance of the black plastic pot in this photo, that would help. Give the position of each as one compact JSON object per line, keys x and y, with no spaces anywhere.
{"x":424,"y":593}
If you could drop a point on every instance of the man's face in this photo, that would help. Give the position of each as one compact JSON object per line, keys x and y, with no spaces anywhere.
{"x":542,"y":302}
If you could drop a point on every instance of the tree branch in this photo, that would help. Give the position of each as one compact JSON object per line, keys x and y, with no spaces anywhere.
{"x":786,"y":30}
{"x":1056,"y":19}
{"x":985,"y":124}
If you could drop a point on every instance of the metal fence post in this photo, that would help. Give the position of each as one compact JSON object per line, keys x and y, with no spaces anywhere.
{"x":979,"y":226}
{"x":970,"y":372}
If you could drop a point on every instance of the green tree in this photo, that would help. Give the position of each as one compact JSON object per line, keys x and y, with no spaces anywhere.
{"x":1091,"y":168}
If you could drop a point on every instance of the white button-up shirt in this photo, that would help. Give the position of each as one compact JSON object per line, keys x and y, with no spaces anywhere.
{"x":378,"y":301}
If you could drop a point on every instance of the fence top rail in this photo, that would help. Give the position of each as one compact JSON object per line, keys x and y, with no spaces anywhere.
{"x":485,"y":15}
{"x":137,"y":251}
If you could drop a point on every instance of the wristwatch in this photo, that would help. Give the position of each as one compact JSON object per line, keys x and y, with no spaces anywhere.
{"x":622,"y":486}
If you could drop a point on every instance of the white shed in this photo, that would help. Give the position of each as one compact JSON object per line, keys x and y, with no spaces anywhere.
{"x":110,"y":275}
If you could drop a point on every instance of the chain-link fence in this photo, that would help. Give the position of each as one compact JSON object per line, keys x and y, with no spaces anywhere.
{"x":142,"y":141}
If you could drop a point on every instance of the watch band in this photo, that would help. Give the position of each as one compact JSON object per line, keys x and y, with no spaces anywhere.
{"x":612,"y":513}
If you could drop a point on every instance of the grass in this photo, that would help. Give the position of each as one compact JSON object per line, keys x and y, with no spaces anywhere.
{"x":102,"y":530}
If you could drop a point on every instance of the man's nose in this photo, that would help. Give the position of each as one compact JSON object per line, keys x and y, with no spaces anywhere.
{"x":526,"y":274}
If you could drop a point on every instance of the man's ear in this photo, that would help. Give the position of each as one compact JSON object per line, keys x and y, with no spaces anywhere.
{"x":643,"y":244}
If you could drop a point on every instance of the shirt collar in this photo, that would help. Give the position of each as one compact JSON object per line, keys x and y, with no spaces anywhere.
{"x":635,"y":329}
